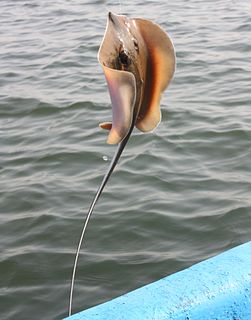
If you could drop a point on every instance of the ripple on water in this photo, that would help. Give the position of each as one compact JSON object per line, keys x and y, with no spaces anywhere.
{"x":178,"y":195}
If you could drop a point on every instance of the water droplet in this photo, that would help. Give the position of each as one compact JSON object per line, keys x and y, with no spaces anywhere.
{"x":105,"y":158}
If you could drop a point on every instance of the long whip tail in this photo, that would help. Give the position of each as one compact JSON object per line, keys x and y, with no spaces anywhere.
{"x":114,"y":161}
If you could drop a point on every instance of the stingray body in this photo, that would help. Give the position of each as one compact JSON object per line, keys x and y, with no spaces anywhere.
{"x":138,"y":61}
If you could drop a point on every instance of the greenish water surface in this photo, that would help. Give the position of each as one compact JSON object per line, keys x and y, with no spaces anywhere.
{"x":179,"y":195}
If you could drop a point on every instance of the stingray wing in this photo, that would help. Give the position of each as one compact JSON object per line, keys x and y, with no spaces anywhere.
{"x":121,"y":83}
{"x":160,"y":70}
{"x":122,"y":89}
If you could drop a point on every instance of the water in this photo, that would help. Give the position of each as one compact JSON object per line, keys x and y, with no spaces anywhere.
{"x":178,"y":195}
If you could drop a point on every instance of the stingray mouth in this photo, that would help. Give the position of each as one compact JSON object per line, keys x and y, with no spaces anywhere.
{"x":115,"y":51}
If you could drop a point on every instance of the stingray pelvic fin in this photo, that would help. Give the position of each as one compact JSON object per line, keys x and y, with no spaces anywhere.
{"x":106,"y":125}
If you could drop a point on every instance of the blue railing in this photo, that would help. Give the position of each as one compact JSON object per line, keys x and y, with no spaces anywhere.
{"x":217,"y":288}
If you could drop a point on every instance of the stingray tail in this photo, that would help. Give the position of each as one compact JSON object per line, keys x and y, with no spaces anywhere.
{"x":114,"y":161}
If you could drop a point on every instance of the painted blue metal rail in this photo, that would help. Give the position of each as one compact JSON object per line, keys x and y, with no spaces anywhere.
{"x":217,"y":288}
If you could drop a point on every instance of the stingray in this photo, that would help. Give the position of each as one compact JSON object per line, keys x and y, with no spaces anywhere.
{"x":138,"y":60}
